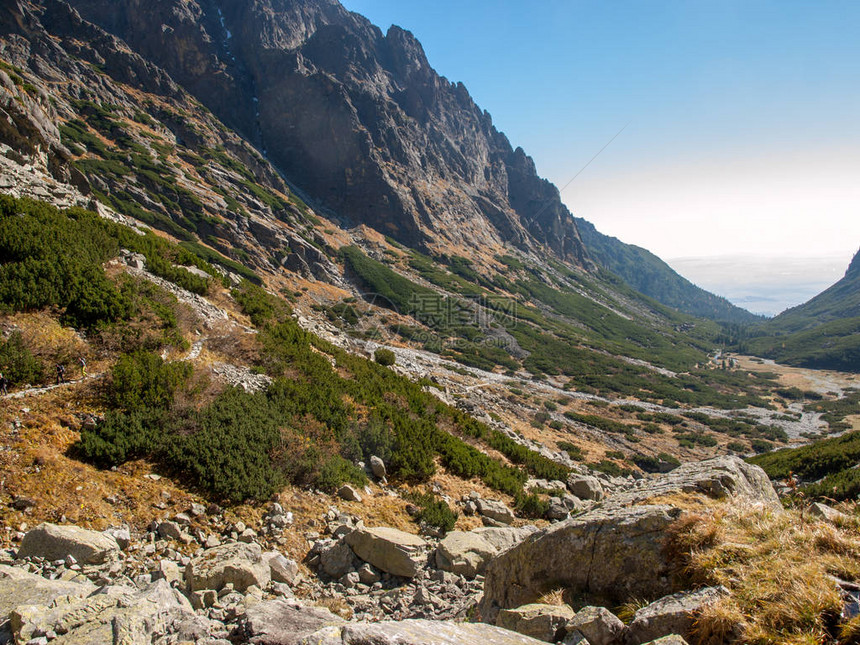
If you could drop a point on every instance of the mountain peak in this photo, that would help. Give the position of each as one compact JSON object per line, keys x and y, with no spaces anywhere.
{"x":357,"y":120}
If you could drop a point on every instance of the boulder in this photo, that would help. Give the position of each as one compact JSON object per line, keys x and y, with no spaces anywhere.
{"x":464,"y":553}
{"x":505,"y":537}
{"x":167,"y":570}
{"x":495,"y":510}
{"x":671,"y":639}
{"x":615,"y":554}
{"x":55,"y":542}
{"x":826,"y":513}
{"x":281,"y":622}
{"x":673,"y":614}
{"x":597,"y":625}
{"x":388,"y":549}
{"x":348,"y":493}
{"x":114,"y":615}
{"x":377,"y":467}
{"x":585,"y":487}
{"x":281,"y":569}
{"x":720,"y":477}
{"x":417,"y":632}
{"x":337,"y":560}
{"x":236,"y":563}
{"x":19,"y":587}
{"x":543,"y":622}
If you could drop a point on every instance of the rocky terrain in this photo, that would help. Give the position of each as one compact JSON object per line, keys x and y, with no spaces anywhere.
{"x":195,"y":577}
{"x":413,"y":411}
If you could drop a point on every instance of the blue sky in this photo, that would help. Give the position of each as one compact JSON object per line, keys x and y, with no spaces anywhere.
{"x":744,"y":117}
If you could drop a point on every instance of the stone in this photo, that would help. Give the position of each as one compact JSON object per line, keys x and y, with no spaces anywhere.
{"x":19,"y":587}
{"x":616,"y":554}
{"x":55,"y":542}
{"x":598,"y":625}
{"x":167,"y":570}
{"x":505,"y":537}
{"x":827,"y":513}
{"x":543,"y":622}
{"x":281,"y":622}
{"x":121,"y":534}
{"x":377,"y":467}
{"x":719,"y":478}
{"x":391,"y":550}
{"x":495,"y":510}
{"x":671,"y":639}
{"x":169,"y":530}
{"x":234,"y":563}
{"x":417,"y":632}
{"x":282,"y":569}
{"x":464,"y":553}
{"x":349,"y":493}
{"x":337,"y":560}
{"x":368,"y":575}
{"x":585,"y":487}
{"x":673,"y":614}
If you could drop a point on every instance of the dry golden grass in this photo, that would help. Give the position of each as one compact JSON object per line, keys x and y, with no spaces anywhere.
{"x":778,"y":568}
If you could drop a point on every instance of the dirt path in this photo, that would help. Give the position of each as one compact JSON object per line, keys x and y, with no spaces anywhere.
{"x":36,"y":391}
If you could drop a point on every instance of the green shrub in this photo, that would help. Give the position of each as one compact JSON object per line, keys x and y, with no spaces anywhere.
{"x":434,"y":512}
{"x":142,"y":380}
{"x":384,"y":356}
{"x":18,"y":363}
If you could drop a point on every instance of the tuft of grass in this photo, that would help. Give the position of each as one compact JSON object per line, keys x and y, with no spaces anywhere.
{"x":777,"y":566}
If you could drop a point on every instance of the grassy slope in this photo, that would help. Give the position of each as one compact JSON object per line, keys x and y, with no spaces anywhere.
{"x":823,"y":333}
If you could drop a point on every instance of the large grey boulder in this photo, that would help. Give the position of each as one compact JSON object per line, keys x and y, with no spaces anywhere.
{"x":615,"y":554}
{"x":418,"y":632}
{"x":280,"y":622}
{"x":464,"y":553}
{"x":396,"y":552}
{"x":673,"y":614}
{"x":585,"y":487}
{"x":505,"y":537}
{"x":238,"y":563}
{"x":19,"y":587}
{"x":56,"y":542}
{"x":720,"y":477}
{"x":495,"y":510}
{"x":615,"y":551}
{"x":543,"y":622}
{"x":337,"y":560}
{"x":598,"y":625}
{"x":115,"y":615}
{"x":282,"y":569}
{"x":377,"y":466}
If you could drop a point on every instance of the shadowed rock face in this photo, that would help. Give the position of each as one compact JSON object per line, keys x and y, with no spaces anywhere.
{"x":356,"y":118}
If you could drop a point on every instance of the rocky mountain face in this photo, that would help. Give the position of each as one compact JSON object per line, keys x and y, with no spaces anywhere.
{"x":355,"y":118}
{"x":95,"y":119}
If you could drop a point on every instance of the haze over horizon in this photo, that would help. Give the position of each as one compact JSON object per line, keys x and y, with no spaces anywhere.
{"x":741,"y":137}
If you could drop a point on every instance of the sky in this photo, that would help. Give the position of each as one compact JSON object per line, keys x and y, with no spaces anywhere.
{"x":739,"y":121}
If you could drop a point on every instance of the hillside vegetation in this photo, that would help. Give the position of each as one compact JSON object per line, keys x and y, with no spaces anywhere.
{"x":823,"y":333}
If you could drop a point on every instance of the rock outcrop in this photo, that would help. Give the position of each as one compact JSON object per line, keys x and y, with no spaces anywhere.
{"x":55,"y":542}
{"x":615,"y":551}
{"x":418,"y":632}
{"x":609,"y":554}
{"x":390,"y":550}
{"x":356,"y":118}
{"x":237,"y":564}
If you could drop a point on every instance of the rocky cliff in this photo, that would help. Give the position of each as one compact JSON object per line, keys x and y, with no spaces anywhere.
{"x":355,"y":118}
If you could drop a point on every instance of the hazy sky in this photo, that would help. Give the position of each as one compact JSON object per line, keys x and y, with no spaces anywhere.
{"x":743,"y":117}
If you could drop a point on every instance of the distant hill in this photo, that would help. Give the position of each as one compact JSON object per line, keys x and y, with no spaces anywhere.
{"x":823,"y":333}
{"x":648,"y":274}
